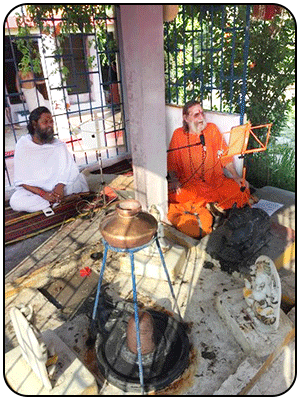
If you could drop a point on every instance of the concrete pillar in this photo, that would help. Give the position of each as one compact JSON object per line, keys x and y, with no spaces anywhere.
{"x":142,"y":57}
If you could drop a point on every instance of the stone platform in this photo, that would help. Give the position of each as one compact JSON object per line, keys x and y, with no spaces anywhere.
{"x":71,"y":376}
{"x":217,"y":358}
{"x":233,"y":310}
{"x":148,"y":263}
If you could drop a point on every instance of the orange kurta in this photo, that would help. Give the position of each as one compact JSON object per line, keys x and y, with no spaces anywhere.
{"x":200,"y":171}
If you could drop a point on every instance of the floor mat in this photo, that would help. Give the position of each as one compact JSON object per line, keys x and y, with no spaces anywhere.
{"x":22,"y":225}
{"x":123,"y":167}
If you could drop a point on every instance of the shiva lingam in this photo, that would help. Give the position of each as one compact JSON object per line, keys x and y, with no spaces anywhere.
{"x":164,"y":347}
{"x":135,"y":349}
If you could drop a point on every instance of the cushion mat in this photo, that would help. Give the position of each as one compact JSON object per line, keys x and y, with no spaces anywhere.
{"x":22,"y":225}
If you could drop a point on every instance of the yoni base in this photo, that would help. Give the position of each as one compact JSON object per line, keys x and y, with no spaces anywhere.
{"x":232,"y":308}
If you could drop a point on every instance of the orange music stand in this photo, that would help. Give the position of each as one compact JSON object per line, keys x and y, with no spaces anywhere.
{"x":239,"y":139}
{"x":238,"y":143}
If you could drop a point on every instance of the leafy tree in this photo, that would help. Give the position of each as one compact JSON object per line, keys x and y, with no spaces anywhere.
{"x":194,"y":71}
{"x":75,"y":18}
{"x":271,"y":71}
{"x":205,"y":56}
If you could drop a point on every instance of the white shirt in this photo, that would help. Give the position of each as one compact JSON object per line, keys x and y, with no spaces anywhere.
{"x":44,"y":165}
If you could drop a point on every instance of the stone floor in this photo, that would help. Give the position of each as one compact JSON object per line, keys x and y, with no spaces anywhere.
{"x":218,"y":364}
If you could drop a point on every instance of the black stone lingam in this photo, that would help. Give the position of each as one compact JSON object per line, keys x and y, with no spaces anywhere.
{"x":164,"y":341}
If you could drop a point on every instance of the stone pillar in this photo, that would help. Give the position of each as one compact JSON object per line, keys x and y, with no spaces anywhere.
{"x":140,"y":33}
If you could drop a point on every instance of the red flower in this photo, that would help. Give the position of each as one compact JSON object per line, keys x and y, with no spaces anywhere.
{"x":86,"y":271}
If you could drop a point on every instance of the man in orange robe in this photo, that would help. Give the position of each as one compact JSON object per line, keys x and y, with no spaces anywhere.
{"x":196,"y":176}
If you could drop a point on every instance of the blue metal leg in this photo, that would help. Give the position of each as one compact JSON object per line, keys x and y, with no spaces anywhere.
{"x":136,"y":310}
{"x":168,"y":276}
{"x":99,"y":285}
{"x":137,"y":323}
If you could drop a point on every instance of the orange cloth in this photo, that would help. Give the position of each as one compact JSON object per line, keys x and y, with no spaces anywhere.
{"x":191,"y":218}
{"x":200,"y":172}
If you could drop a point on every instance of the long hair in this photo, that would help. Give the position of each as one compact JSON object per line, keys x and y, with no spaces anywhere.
{"x":35,"y":116}
{"x":185,"y":111}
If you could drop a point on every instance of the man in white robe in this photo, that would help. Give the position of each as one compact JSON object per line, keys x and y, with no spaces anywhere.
{"x":44,"y":170}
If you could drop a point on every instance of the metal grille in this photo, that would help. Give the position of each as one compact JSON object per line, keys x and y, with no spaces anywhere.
{"x":206,"y":49}
{"x":72,"y":70}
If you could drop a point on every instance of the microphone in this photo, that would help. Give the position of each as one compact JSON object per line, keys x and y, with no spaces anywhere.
{"x":202,"y":143}
{"x":202,"y":140}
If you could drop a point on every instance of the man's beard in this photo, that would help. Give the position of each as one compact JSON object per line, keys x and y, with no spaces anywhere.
{"x":198,"y":127}
{"x":45,"y":135}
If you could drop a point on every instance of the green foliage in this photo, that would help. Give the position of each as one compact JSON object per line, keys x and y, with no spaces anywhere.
{"x":31,"y":58}
{"x":194,"y":71}
{"x":275,"y":167}
{"x":271,"y":72}
{"x":272,"y":58}
{"x":75,"y":18}
{"x":203,"y":50}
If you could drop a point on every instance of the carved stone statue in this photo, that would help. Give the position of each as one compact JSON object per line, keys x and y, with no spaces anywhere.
{"x":262,"y":294}
{"x":33,"y":347}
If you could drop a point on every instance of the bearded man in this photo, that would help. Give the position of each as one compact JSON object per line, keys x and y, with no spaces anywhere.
{"x":44,"y":170}
{"x":196,"y":174}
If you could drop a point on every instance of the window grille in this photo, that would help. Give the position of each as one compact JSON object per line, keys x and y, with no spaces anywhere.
{"x":76,"y":71}
{"x":206,"y":51}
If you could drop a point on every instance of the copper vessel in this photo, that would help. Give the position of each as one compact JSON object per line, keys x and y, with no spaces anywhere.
{"x":128,"y":226}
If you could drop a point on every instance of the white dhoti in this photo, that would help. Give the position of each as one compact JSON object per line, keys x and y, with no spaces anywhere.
{"x":23,"y":200}
{"x":35,"y":99}
{"x":43,"y":166}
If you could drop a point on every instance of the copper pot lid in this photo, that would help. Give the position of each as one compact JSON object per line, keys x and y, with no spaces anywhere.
{"x":129,"y":208}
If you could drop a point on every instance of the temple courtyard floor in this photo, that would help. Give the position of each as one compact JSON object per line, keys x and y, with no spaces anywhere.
{"x":44,"y":273}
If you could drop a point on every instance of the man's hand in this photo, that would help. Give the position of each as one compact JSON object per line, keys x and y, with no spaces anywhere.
{"x":53,"y":197}
{"x":238,"y":179}
{"x":49,"y":196}
{"x":173,"y":183}
{"x":241,"y":182}
{"x":58,"y":192}
{"x":175,"y":187}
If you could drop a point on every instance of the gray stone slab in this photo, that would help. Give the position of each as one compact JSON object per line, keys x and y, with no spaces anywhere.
{"x":237,"y":381}
{"x":280,"y":377}
{"x":285,"y":215}
{"x":68,"y":294}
